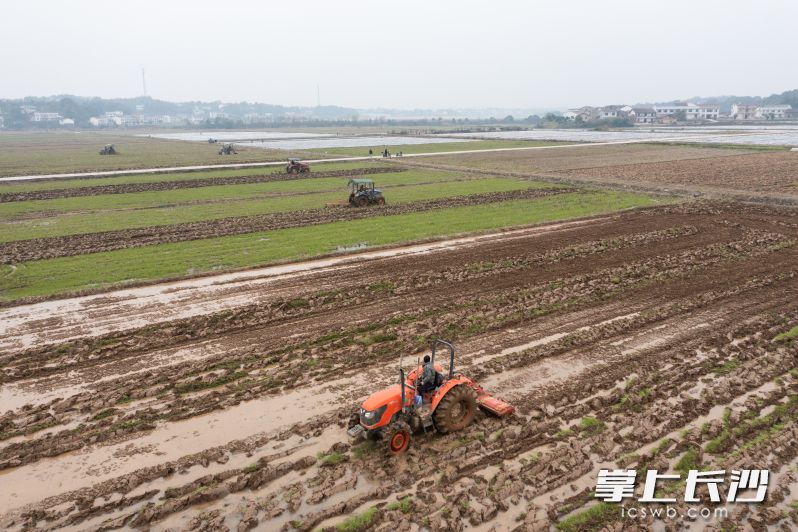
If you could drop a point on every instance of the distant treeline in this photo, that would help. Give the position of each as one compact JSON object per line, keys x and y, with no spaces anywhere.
{"x":145,"y":111}
{"x":215,"y":114}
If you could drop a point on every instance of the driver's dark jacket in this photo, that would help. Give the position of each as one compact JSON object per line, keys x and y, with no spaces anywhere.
{"x":428,"y":375}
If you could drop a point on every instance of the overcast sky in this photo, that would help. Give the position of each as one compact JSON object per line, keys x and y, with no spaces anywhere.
{"x":408,"y":54}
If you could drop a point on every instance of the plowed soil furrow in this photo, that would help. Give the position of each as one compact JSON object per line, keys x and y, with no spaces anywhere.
{"x":66,"y":246}
{"x":629,"y":342}
{"x":186,"y":183}
{"x":367,"y":296}
{"x":555,"y":395}
{"x":774,"y":172}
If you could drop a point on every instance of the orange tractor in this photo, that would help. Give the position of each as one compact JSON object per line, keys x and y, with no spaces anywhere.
{"x":397,"y":412}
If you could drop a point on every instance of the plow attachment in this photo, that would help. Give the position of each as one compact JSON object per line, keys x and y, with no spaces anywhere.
{"x":497,"y":407}
{"x":491,"y":404}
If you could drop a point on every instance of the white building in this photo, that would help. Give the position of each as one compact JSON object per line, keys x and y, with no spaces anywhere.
{"x":774,"y":112}
{"x":107,"y":120}
{"x":66,"y":122}
{"x":644,"y":115}
{"x":614,"y":111}
{"x":45,"y":117}
{"x":744,"y":111}
{"x":586,"y":113}
{"x":691,"y":111}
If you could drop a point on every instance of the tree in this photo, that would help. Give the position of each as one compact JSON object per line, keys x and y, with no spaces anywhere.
{"x":681,"y":115}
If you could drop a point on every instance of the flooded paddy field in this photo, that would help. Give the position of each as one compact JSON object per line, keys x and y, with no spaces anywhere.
{"x":307,"y":141}
{"x":762,"y":135}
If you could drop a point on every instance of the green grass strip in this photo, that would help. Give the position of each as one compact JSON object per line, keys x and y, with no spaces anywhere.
{"x":60,"y":184}
{"x":66,"y":274}
{"x":182,"y":196}
{"x":168,"y":213}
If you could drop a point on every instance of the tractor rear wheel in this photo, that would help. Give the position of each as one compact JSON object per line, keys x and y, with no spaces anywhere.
{"x":398,"y":437}
{"x":456,"y":410}
{"x":361,"y":201}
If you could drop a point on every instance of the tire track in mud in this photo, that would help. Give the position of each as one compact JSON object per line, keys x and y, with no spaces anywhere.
{"x":723,"y":287}
{"x":66,"y":246}
{"x":199,"y":182}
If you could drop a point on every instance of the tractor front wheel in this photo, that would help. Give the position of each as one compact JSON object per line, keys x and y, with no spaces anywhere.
{"x":398,"y":437}
{"x":380,"y":201}
{"x":456,"y":410}
{"x":354,"y":419}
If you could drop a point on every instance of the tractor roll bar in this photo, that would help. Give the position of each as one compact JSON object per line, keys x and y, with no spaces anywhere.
{"x":402,"y":387}
{"x":451,"y":352}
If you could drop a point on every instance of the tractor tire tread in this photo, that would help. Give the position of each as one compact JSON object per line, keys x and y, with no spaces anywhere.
{"x":467,"y":398}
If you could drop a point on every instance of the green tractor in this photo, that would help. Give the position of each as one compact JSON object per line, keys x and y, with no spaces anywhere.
{"x":363,"y":193}
{"x":227,"y":149}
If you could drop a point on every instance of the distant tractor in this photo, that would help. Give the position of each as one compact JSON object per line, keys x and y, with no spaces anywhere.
{"x":108,"y":149}
{"x":363,"y":193}
{"x":227,"y":149}
{"x":297,"y":166}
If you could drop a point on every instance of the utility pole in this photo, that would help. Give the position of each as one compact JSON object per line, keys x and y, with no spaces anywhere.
{"x":318,"y":96}
{"x":143,"y":83}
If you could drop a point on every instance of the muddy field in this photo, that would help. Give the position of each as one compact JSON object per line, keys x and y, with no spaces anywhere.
{"x":650,"y":338}
{"x":19,"y":251}
{"x":582,"y":157}
{"x":748,"y":175}
{"x":40,"y":152}
{"x":770,"y":172}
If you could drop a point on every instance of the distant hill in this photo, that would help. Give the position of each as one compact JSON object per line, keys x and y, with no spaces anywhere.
{"x":81,"y":109}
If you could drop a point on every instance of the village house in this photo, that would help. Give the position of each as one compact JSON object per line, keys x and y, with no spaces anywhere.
{"x":691,"y":111}
{"x":775,"y":112}
{"x":644,"y":115}
{"x":614,"y":111}
{"x":743,"y":111}
{"x":45,"y":117}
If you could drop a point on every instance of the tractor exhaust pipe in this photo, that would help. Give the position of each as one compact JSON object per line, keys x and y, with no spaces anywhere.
{"x":402,"y":386}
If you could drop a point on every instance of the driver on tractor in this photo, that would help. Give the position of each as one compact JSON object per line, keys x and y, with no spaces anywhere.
{"x":430,"y":379}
